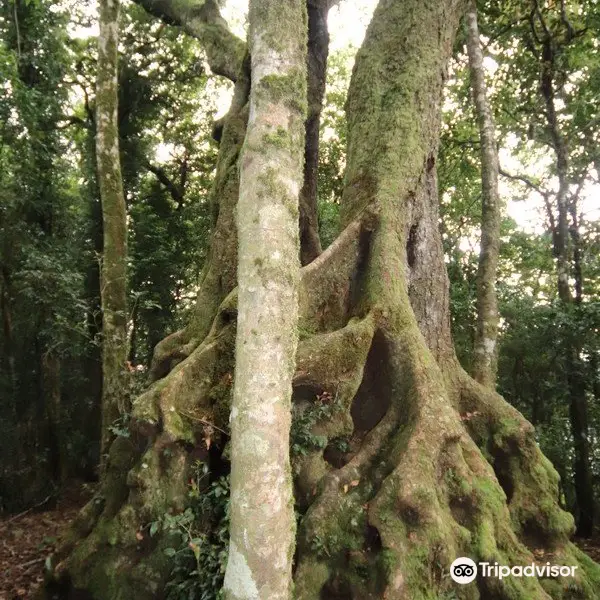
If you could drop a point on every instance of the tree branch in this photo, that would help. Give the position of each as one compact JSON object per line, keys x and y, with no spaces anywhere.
{"x":173,"y":189}
{"x":528,"y":182}
{"x":202,"y":20}
{"x":566,"y":22}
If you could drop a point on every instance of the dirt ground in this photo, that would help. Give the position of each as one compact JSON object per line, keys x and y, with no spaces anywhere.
{"x":28,"y":538}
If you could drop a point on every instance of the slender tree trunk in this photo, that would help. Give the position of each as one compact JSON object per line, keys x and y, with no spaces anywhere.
{"x":262,"y":530}
{"x":561,"y":234}
{"x":114,"y":217}
{"x":318,"y":50}
{"x":50,"y":373}
{"x":485,"y":354}
{"x":595,"y":374}
{"x":7,"y":340}
{"x":132,"y":357}
{"x":578,"y":413}
{"x":90,"y":412}
{"x":578,"y":408}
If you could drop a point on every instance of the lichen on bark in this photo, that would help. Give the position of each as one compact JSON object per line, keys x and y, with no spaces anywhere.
{"x":114,"y":218}
{"x":485,"y":351}
{"x":262,"y":528}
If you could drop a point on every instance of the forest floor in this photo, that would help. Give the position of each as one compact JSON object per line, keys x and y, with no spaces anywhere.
{"x":28,"y":538}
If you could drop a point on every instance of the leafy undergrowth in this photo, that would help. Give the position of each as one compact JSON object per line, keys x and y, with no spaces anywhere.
{"x":28,"y":538}
{"x":198,"y":563}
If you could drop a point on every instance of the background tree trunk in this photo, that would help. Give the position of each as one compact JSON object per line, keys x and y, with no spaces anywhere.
{"x":8,"y":359}
{"x":92,"y":414}
{"x":578,"y":406}
{"x":318,"y":50}
{"x":50,"y":369}
{"x":114,"y":216}
{"x":485,"y":351}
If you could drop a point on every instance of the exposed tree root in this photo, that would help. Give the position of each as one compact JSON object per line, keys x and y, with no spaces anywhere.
{"x":329,"y":283}
{"x":108,"y":551}
{"x":420,"y":493}
{"x":438,"y":467}
{"x":332,"y":363}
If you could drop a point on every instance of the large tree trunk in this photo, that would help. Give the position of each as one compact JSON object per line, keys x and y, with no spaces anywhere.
{"x":263,"y":526}
{"x":438,"y":466}
{"x":485,"y":353}
{"x":114,"y":215}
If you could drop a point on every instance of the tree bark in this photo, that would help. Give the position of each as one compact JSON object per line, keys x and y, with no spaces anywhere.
{"x":578,"y":409}
{"x":485,"y":352}
{"x":114,"y":218}
{"x":202,"y":19}
{"x":561,"y":233}
{"x":8,"y":358}
{"x":50,"y":369}
{"x":318,"y":50}
{"x":437,"y":466}
{"x":91,"y":411}
{"x":578,"y":415}
{"x":263,"y":525}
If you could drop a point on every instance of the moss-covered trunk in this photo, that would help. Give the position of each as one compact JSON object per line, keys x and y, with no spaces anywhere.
{"x":486,"y":335}
{"x":114,"y":218}
{"x":401,"y":461}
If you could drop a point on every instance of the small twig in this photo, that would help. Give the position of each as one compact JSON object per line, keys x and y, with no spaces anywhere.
{"x":19,"y":515}
{"x":17,"y":31}
{"x":31,"y":562}
{"x":8,"y":548}
{"x":528,"y":182}
{"x":204,"y":422}
{"x":29,"y":509}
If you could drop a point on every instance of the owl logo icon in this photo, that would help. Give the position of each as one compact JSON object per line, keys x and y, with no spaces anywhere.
{"x":463,"y":570}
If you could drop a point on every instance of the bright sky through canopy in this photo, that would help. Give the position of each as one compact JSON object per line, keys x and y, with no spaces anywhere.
{"x":348,"y":22}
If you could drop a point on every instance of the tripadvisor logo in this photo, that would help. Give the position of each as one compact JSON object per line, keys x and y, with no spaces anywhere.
{"x":464,"y":570}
